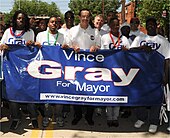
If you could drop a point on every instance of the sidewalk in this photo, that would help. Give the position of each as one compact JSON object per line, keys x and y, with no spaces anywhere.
{"x":81,"y":130}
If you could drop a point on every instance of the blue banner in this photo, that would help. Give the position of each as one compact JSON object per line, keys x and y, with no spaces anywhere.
{"x":1,"y":62}
{"x":55,"y":75}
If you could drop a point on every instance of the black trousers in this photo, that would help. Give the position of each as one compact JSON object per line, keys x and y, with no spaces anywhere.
{"x":78,"y":111}
{"x":15,"y":110}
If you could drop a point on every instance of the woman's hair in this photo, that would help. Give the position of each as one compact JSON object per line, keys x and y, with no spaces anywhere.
{"x":14,"y":21}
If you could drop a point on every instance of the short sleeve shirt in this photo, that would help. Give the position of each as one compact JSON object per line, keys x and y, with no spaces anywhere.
{"x":158,"y":43}
{"x":84,"y":38}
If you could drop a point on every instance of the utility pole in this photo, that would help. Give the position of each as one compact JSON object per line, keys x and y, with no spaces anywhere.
{"x":123,"y":11}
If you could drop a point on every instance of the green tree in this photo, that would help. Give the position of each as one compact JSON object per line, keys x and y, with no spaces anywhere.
{"x":154,"y":8}
{"x":34,"y":7}
{"x":95,"y":6}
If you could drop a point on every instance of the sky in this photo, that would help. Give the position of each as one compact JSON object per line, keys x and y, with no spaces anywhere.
{"x":6,"y":5}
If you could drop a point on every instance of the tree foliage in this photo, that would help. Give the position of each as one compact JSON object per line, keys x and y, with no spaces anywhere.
{"x":95,"y":6}
{"x":34,"y":7}
{"x":153,"y":8}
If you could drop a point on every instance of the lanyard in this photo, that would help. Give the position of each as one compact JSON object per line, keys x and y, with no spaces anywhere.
{"x":117,"y":42}
{"x":55,"y":38}
{"x":18,"y":35}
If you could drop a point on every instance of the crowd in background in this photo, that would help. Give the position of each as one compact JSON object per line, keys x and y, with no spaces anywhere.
{"x":107,"y":34}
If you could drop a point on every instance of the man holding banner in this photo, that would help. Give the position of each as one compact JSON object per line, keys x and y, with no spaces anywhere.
{"x":152,"y":41}
{"x":51,"y":37}
{"x":113,"y":41}
{"x":83,"y":36}
{"x":20,"y":33}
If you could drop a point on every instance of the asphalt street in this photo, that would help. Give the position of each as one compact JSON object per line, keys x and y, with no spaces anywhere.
{"x":81,"y":130}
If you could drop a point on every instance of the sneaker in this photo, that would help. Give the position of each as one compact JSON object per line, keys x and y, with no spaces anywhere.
{"x":35,"y":124}
{"x":45,"y":121}
{"x":60,"y":121}
{"x":115,"y":123}
{"x":168,"y":128}
{"x":153,"y":128}
{"x":15,"y":125}
{"x":138,"y":124}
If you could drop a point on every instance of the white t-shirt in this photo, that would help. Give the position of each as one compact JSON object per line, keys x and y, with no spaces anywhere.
{"x":134,"y":34}
{"x":106,"y":41}
{"x":63,"y":31}
{"x":102,"y":32}
{"x":83,"y":38}
{"x":157,"y":42}
{"x":106,"y":28}
{"x":42,"y":37}
{"x":8,"y":38}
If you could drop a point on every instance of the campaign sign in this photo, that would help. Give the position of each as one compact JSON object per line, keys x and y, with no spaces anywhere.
{"x":104,"y":78}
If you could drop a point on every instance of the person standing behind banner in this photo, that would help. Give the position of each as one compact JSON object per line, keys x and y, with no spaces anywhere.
{"x":42,"y":26}
{"x":105,"y":27}
{"x":134,"y":31}
{"x":98,"y":23}
{"x":19,"y":33}
{"x":149,"y":42}
{"x":51,"y":37}
{"x":69,"y":23}
{"x":113,"y":41}
{"x":83,"y":36}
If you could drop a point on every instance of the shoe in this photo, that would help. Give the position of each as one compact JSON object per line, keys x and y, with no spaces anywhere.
{"x":89,"y":121}
{"x":35,"y":124}
{"x":76,"y":120}
{"x":138,"y":124}
{"x":153,"y":128}
{"x":115,"y":123}
{"x":45,"y":121}
{"x":126,"y":114}
{"x":98,"y":111}
{"x":109,"y":123}
{"x":15,"y":125}
{"x":60,"y":121}
{"x":168,"y":128}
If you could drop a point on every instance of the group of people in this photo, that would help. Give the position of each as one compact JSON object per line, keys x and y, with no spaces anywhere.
{"x":93,"y":35}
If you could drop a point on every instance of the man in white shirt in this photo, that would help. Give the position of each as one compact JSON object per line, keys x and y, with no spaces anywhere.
{"x":21,"y":34}
{"x":134,"y":30}
{"x":98,"y":23}
{"x":83,"y":36}
{"x":113,"y":39}
{"x":110,"y":14}
{"x":51,"y":37}
{"x":69,"y":22}
{"x":152,"y":41}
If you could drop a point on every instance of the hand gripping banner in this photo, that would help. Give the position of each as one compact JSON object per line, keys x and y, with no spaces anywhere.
{"x":56,"y":75}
